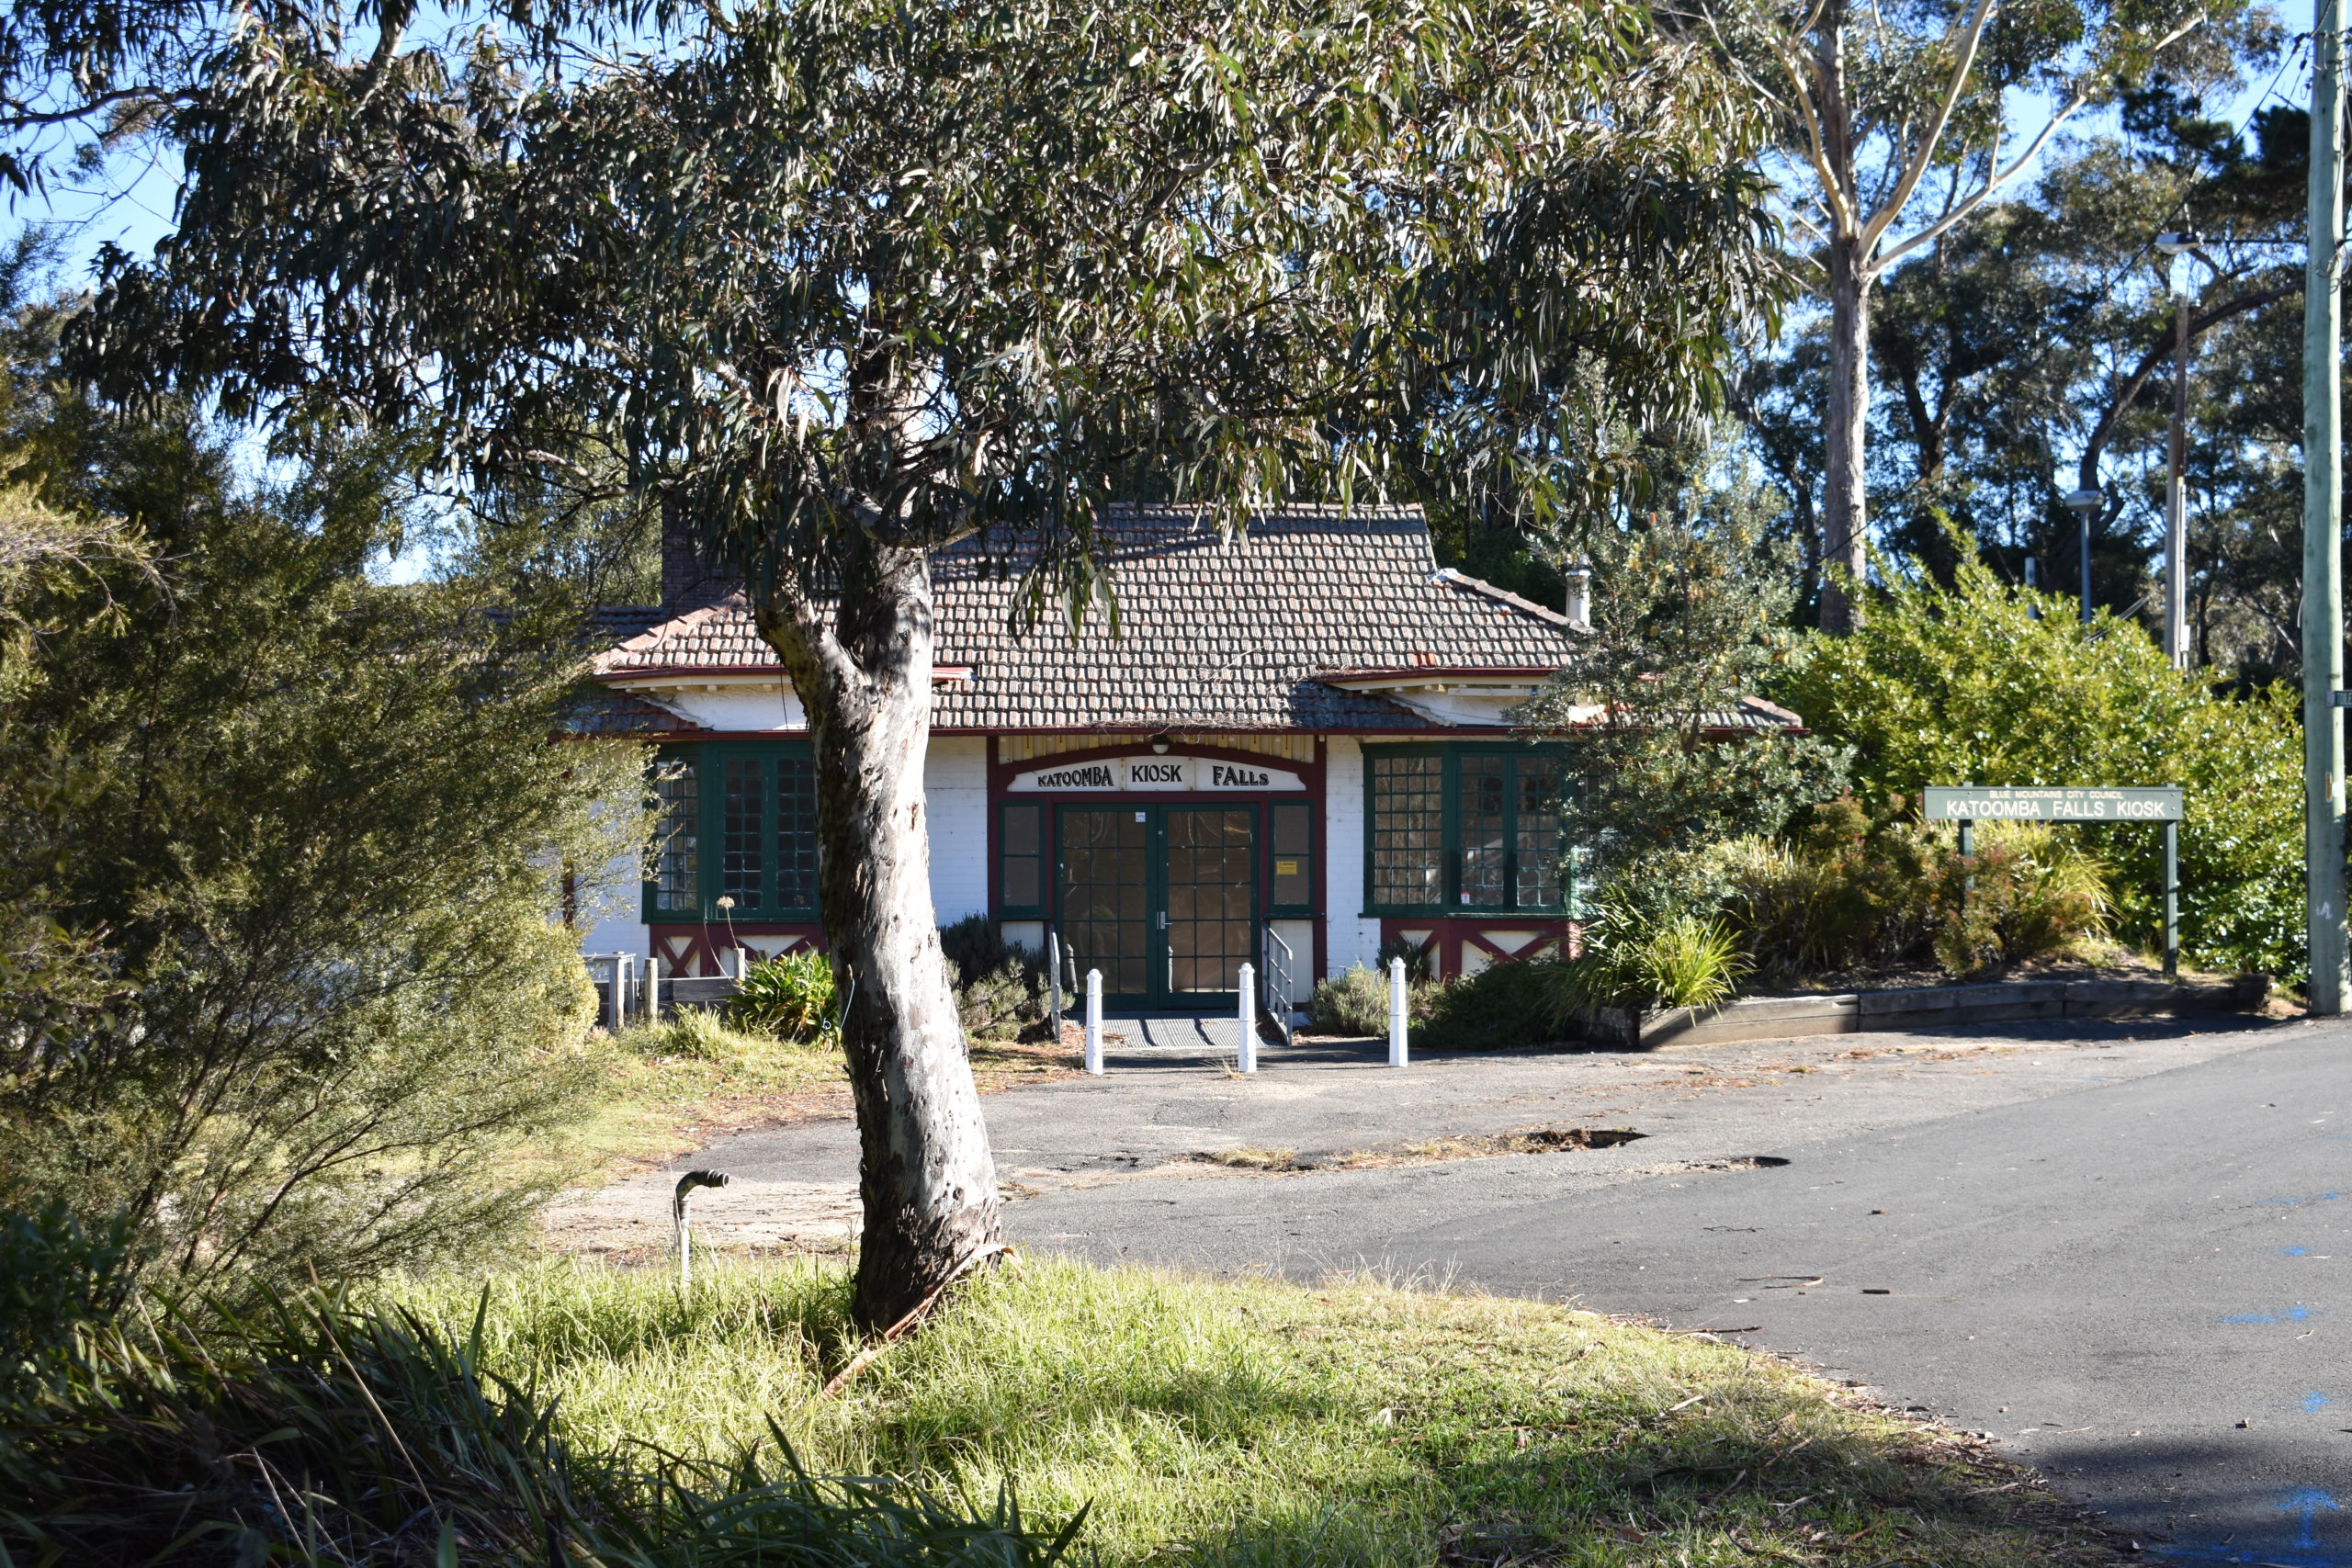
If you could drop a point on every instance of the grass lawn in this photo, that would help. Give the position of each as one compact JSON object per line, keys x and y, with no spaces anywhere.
{"x":671,"y":1089}
{"x":1260,"y":1424}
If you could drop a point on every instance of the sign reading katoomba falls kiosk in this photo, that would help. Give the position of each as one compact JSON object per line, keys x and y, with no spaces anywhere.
{"x":2034,"y":803}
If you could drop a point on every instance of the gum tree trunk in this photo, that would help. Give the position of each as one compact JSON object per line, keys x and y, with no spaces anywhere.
{"x":1844,"y":522}
{"x":925,"y":1173}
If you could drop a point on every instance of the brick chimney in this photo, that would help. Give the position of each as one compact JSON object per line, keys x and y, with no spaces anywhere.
{"x":688,"y":582}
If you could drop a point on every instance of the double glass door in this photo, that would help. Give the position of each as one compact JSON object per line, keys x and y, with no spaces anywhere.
{"x":1161,"y":899}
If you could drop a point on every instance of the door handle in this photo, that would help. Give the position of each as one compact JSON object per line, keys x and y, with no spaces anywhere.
{"x":1162,"y":916}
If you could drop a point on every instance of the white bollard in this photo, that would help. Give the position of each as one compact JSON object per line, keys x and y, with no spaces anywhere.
{"x":1094,"y":1021}
{"x":1248,"y":1054}
{"x":1396,"y":1051}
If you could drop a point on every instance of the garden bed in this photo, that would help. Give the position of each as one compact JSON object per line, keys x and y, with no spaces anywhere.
{"x":1922,"y":1007}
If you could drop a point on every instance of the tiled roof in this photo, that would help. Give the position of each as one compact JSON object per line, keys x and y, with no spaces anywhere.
{"x":1213,"y":634}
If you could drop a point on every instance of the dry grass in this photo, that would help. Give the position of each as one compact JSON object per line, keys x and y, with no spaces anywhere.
{"x":672,"y":1090}
{"x":1259,"y":1424}
{"x":1425,"y":1151}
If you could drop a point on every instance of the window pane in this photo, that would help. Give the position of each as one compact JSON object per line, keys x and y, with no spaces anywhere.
{"x":1022,"y":884}
{"x":796,"y":833}
{"x":1294,"y":836}
{"x":1020,"y":829}
{"x":1483,"y":842}
{"x":676,"y":863}
{"x":741,"y":829}
{"x":1540,"y":839}
{"x":1407,"y":830}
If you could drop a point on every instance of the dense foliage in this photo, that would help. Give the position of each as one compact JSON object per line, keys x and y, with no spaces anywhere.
{"x":1670,"y":748}
{"x":1979,"y":682}
{"x":281,"y":850}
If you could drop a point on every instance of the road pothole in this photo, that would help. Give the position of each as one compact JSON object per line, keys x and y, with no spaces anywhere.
{"x":1420,"y":1151}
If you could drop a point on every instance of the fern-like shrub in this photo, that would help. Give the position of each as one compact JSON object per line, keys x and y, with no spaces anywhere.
{"x":790,"y":997}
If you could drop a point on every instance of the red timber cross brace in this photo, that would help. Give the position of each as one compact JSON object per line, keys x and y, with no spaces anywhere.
{"x":1447,"y":940}
{"x":692,"y":951}
{"x":1150,"y":774}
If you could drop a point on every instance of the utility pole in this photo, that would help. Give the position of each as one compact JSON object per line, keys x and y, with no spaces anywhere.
{"x":2172,"y":247}
{"x":2324,"y":522}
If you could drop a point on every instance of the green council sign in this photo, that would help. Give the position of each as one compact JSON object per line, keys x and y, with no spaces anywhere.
{"x":2034,"y":804}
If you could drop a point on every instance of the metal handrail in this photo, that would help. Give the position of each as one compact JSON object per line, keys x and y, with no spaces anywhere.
{"x":1275,"y":981}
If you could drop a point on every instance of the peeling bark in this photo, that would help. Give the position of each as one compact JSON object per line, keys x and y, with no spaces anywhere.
{"x":925,"y":1172}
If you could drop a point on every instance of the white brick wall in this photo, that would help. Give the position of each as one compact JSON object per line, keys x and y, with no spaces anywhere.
{"x":955,"y":779}
{"x":1352,"y":938}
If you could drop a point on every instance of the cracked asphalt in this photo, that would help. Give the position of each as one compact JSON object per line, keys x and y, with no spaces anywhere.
{"x":2116,"y":1248}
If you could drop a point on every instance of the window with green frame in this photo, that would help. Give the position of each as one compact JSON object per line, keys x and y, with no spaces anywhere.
{"x":738,"y":821}
{"x":1464,"y":827}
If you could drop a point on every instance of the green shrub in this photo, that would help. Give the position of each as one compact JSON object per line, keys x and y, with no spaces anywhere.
{"x":1353,"y":1001}
{"x":2034,"y":895}
{"x":1848,"y":894}
{"x":790,"y":997}
{"x":1634,"y":956}
{"x":997,"y":1004}
{"x":1505,"y":1004}
{"x":1000,"y":985}
{"x":697,"y":1034}
{"x":1983,"y":683}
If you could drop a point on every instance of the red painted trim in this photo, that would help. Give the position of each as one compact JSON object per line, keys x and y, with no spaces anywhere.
{"x":1449,"y":934}
{"x":699,"y":956}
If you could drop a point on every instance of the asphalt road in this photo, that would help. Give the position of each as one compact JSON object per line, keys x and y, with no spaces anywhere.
{"x":2121,"y":1254}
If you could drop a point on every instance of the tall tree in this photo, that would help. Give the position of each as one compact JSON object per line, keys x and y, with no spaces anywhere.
{"x":854,"y":280}
{"x":1896,"y":131}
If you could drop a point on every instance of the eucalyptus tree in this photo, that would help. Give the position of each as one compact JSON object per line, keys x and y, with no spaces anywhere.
{"x":850,"y":281}
{"x":1896,"y":129}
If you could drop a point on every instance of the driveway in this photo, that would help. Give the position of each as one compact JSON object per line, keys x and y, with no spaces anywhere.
{"x":2115,"y":1249}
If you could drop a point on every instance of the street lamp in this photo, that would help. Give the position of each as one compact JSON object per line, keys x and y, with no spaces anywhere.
{"x":2179,"y":242}
{"x":2085,"y":503}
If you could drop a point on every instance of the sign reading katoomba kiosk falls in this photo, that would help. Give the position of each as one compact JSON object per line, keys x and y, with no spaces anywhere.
{"x":2034,"y":803}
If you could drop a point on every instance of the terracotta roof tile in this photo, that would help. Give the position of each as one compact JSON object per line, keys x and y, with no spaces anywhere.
{"x":1213,"y":633}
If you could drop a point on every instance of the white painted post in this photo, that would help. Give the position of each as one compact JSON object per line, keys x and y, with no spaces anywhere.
{"x":1094,"y":1021}
{"x":653,"y":991}
{"x":1249,"y":1053}
{"x":1396,"y":1048}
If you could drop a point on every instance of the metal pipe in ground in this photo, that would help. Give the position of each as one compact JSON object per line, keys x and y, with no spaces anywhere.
{"x":1398,"y":1053}
{"x":1246,"y":1060}
{"x":1094,"y":1021}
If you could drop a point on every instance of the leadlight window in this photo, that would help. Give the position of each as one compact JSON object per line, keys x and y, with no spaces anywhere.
{"x":1407,"y":830}
{"x":743,"y":834}
{"x":1542,"y":841}
{"x":796,"y":832}
{"x":737,"y":822}
{"x":677,"y":863}
{"x":1462,"y":829}
{"x":1483,"y":842}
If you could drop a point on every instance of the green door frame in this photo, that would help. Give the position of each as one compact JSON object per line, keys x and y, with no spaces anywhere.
{"x":1159,"y":996}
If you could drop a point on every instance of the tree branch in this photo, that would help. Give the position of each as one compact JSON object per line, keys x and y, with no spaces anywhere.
{"x":1995,"y":178}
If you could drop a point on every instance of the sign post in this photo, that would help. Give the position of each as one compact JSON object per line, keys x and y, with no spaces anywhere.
{"x":1970,"y":803}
